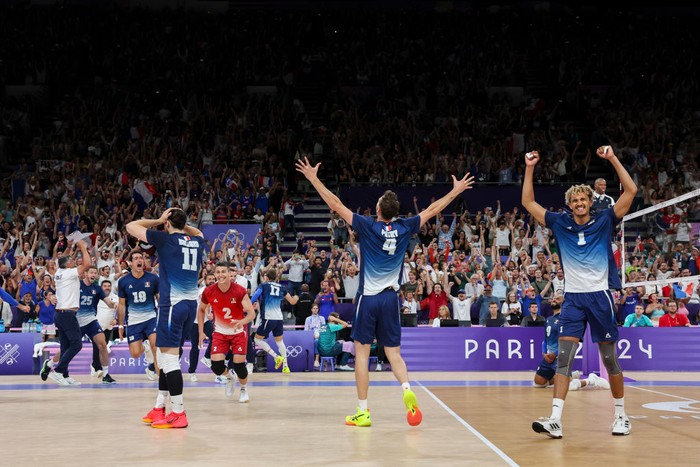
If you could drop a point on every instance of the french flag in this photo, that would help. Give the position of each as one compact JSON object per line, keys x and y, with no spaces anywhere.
{"x":143,"y":194}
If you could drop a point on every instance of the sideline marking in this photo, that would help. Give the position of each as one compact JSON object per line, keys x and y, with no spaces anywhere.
{"x":483,"y":439}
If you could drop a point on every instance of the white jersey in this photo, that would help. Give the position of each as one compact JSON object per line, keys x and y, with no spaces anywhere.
{"x":105,"y":314}
{"x":67,"y":289}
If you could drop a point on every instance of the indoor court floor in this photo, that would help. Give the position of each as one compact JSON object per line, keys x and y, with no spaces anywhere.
{"x":476,"y":418}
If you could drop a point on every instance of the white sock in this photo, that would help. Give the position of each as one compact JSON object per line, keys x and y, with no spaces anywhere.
{"x":105,"y":370}
{"x":406,"y":386}
{"x":148,"y":355}
{"x":619,"y":407}
{"x":51,"y":364}
{"x":160,"y":400}
{"x":244,"y":387}
{"x":557,"y":408}
{"x":178,"y":404}
{"x":283,"y":350}
{"x":362,"y":403}
{"x":265,"y":346}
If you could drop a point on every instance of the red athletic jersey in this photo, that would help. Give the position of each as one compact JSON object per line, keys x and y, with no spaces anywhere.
{"x":227,"y":306}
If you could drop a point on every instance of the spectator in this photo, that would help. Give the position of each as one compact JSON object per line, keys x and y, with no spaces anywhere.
{"x":672,"y":318}
{"x":461,"y":306}
{"x":326,"y":299}
{"x":483,"y":303}
{"x":314,"y":322}
{"x":532,"y":316}
{"x":512,"y":309}
{"x":443,"y":313}
{"x":638,"y":318}
{"x":328,"y":344}
{"x":495,"y":319}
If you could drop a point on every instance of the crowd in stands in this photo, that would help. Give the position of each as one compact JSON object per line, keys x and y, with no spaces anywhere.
{"x":150,"y":110}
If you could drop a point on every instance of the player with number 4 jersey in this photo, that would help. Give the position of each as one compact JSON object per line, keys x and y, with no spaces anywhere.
{"x":383,"y":243}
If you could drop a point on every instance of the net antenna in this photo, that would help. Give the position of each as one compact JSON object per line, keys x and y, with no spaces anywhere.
{"x":653,"y":209}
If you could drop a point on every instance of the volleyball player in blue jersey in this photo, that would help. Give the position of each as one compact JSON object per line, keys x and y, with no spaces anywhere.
{"x":585,"y":252}
{"x":383,"y":243}
{"x":180,"y":250}
{"x":138,"y":292}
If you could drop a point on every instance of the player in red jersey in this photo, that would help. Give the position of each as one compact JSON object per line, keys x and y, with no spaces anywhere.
{"x":233,"y":311}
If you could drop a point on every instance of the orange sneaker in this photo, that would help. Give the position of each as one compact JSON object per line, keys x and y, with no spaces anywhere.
{"x":154,"y":414}
{"x":173,"y":420}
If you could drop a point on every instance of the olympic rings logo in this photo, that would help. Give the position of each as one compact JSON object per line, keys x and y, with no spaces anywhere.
{"x":231,"y":235}
{"x":294,"y":351}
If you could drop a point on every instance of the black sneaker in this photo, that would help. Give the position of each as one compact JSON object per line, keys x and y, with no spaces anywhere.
{"x":107,"y":379}
{"x":45,"y":370}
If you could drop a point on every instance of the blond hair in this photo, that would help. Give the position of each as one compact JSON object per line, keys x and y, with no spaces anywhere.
{"x":577,"y":190}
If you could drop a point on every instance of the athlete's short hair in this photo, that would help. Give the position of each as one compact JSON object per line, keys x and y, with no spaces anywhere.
{"x":135,"y":251}
{"x":577,"y":190}
{"x":223,"y":264}
{"x":271,"y":274}
{"x":63,"y":261}
{"x":389,"y":205}
{"x":178,"y":219}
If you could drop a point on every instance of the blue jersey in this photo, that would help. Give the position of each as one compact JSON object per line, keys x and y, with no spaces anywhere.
{"x":383,"y":245}
{"x":139,"y":296}
{"x":551,"y":335}
{"x":90,"y":295}
{"x":586,"y":251}
{"x":271,"y":295}
{"x":180,"y":257}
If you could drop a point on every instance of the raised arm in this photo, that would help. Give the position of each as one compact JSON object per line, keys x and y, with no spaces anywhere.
{"x":311,"y":173}
{"x":458,"y":186}
{"x":528,"y":194}
{"x":624,"y":203}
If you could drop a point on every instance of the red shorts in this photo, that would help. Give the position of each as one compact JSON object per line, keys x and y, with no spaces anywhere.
{"x":236,"y":343}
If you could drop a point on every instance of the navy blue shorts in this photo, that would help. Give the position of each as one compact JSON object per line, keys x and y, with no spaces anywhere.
{"x":174,"y":322}
{"x":140,"y":331}
{"x":595,"y":308}
{"x":91,"y":329}
{"x":378,"y":316}
{"x":274,"y":326}
{"x":546,"y":369}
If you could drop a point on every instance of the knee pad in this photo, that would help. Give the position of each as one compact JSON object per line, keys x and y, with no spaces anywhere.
{"x":168,"y":362}
{"x":218,"y":367}
{"x":241,"y":370}
{"x":565,"y":359}
{"x":609,"y":355}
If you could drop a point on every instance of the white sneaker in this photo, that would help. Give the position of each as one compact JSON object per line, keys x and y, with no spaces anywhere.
{"x":548,"y":426}
{"x":220,"y":379}
{"x":317,"y":364}
{"x":95,"y":373}
{"x":193,"y":377}
{"x":597,"y":382}
{"x":621,"y":426}
{"x":346,"y":368}
{"x":206,"y":362}
{"x":150,"y":374}
{"x":243,"y":399}
{"x":379,"y":367}
{"x":576,"y":374}
{"x":72,"y":382}
{"x":229,"y":385}
{"x":59,"y":378}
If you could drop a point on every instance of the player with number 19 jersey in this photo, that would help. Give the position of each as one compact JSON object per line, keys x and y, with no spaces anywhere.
{"x":139,"y":296}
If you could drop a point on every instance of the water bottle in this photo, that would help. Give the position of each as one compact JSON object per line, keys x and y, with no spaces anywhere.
{"x":2,"y":325}
{"x":24,"y":326}
{"x":38,"y":325}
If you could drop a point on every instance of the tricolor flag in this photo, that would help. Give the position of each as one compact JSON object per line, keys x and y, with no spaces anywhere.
{"x":143,"y":194}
